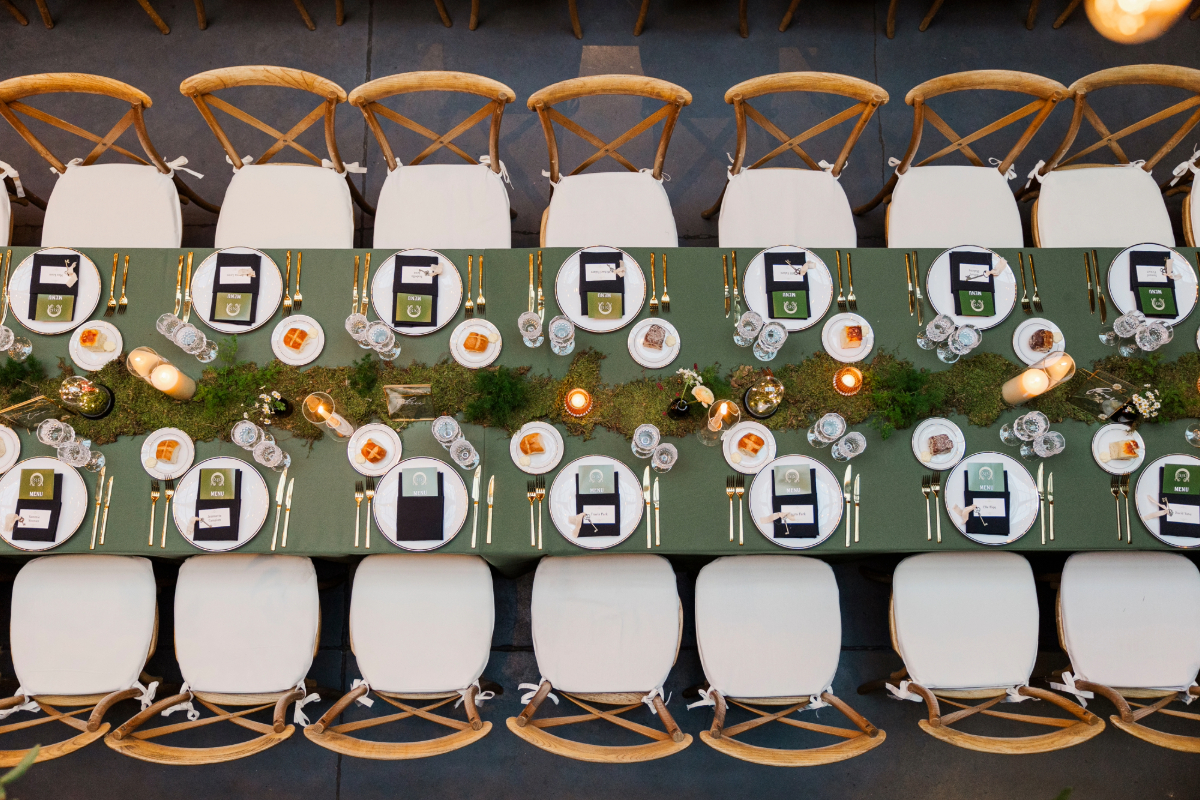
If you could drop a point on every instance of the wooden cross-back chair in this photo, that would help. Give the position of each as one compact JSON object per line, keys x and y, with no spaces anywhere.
{"x":201,"y":16}
{"x":647,"y":206}
{"x":1030,"y":15}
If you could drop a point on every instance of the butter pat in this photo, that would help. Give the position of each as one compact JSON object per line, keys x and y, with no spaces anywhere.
{"x":150,"y":463}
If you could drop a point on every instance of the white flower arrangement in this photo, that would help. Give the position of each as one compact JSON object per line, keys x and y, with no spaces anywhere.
{"x":693,"y":381}
{"x":1147,"y":403}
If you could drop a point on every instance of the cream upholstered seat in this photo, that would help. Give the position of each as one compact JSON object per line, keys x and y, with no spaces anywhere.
{"x":443,"y":206}
{"x":113,"y":205}
{"x":771,"y":206}
{"x":947,"y":206}
{"x":622,"y":209}
{"x":1101,"y":206}
{"x":286,"y":205}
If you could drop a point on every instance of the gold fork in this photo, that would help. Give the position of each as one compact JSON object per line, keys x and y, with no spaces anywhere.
{"x":666,"y":298}
{"x":154,"y":495}
{"x":1125,"y":494}
{"x":470,"y":306}
{"x":358,"y":498}
{"x":1114,"y":487}
{"x":299,"y":298}
{"x":370,"y":496}
{"x":287,"y":286}
{"x":354,"y":305}
{"x":480,"y":301}
{"x":730,"y":491}
{"x":170,"y":492}
{"x":1037,"y":298}
{"x":741,"y":490}
{"x":1025,"y":306}
{"x":926,"y":487}
{"x":111,"y":308}
{"x":851,"y":300}
{"x":841,"y":298}
{"x":531,"y":495}
{"x":653,"y":289}
{"x":123,"y":303}
{"x":539,"y":485}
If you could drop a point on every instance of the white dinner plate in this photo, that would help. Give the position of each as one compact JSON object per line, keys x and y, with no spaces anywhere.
{"x":89,"y":360}
{"x":932,"y":427}
{"x":85,"y":303}
{"x":649,"y":357}
{"x":820,"y":288}
{"x":256,"y":502}
{"x":831,"y":338}
{"x":1121,"y":294}
{"x":270,"y":291}
{"x":538,"y":463}
{"x":454,"y":508}
{"x":747,"y":465}
{"x":12,"y":448}
{"x":562,"y":502}
{"x":383,"y":435}
{"x":1113,"y":433}
{"x":1026,"y":329}
{"x":829,"y":501}
{"x":313,"y":345}
{"x":1146,"y":493}
{"x":450,"y":292}
{"x":566,"y":292}
{"x":468,"y":358}
{"x":1022,"y":495}
{"x":74,"y":507}
{"x":937,"y":287}
{"x":184,"y":454}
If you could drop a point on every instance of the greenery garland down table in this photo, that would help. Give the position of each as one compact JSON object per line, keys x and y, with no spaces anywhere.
{"x":902,"y":385}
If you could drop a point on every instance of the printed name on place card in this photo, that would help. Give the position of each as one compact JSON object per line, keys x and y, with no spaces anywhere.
{"x":600,"y":272}
{"x":601,"y":515}
{"x":214,"y":517}
{"x":990,"y":506}
{"x":798,"y":515}
{"x":1151,"y":273}
{"x":35,"y":518}
{"x":416,"y":274}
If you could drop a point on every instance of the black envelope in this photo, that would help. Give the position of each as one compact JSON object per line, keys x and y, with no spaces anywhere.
{"x":1150,"y":258}
{"x":615,"y":285}
{"x":796,"y":530}
{"x":1166,"y":525}
{"x":227,"y":533}
{"x":37,"y":286}
{"x":251,"y":260}
{"x":975,"y":262}
{"x":429,"y":290}
{"x":609,"y":499}
{"x":770,"y":261}
{"x":996,"y":526}
{"x":420,"y":519}
{"x":22,"y":534}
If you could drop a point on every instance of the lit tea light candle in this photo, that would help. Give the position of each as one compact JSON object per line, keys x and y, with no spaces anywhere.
{"x":847,"y":381}
{"x":578,"y":403}
{"x":170,"y":381}
{"x":142,"y":362}
{"x":322,"y":407}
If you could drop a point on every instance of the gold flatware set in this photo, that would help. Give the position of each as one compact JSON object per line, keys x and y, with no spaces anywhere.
{"x":841,"y":297}
{"x":114,"y":306}
{"x":931,"y":485}
{"x":1119,"y":487}
{"x":471,"y":306}
{"x":851,"y":299}
{"x":665,"y":305}
{"x":293,"y":302}
{"x":535,"y":490}
{"x":735,"y":486}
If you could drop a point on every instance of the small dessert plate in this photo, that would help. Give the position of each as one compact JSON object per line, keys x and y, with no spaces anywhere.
{"x":12,"y":448}
{"x":746,"y":464}
{"x":933,"y":427}
{"x":167,"y":470}
{"x":1026,"y":329}
{"x":472,"y":359}
{"x":384,"y":436}
{"x":1110,"y":434}
{"x":313,"y":344}
{"x":537,"y":463}
{"x":651,"y":357}
{"x":92,"y":360}
{"x":831,"y":338}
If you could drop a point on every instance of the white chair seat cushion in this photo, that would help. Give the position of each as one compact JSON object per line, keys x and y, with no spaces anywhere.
{"x":947,"y":206}
{"x":82,"y":624}
{"x":286,"y":205}
{"x":768,"y":626}
{"x":1102,"y":207}
{"x":607,"y":623}
{"x":245,"y":623}
{"x":113,"y":205}
{"x":443,"y":207}
{"x":1132,"y":619}
{"x":768,"y":207}
{"x":619,"y":209}
{"x":966,"y":620}
{"x":422,"y":623}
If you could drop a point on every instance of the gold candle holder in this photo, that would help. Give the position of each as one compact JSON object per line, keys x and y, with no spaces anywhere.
{"x":848,"y":381}
{"x":578,"y":403}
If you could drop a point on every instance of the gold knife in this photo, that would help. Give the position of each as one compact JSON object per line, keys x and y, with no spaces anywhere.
{"x":908,"y":273}
{"x":178,"y":284}
{"x":187,"y":290}
{"x":1087,"y":273}
{"x":657,"y":521}
{"x":107,"y":497}
{"x":96,"y":514}
{"x":287,"y":512}
{"x":532,"y":297}
{"x":1100,"y":289}
{"x":917,"y":288}
{"x":725,"y":270}
{"x":646,"y":497}
{"x":278,"y":506}
{"x":541,"y":303}
{"x":475,"y":498}
{"x":1050,"y":500}
{"x":737,"y":295}
{"x":366,"y":293}
{"x":491,"y":494}
{"x":846,"y":495}
{"x":354,"y":305}
{"x":4,"y":309}
{"x":856,"y":477}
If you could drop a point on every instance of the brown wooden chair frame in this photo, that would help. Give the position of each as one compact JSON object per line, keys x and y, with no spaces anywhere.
{"x":674,"y":98}
{"x":1048,"y":94}
{"x":200,"y":88}
{"x":201,"y":16}
{"x":14,"y":90}
{"x":869,"y":96}
{"x":1070,"y":732}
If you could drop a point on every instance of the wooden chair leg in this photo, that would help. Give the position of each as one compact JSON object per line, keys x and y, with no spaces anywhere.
{"x":717,"y":205}
{"x":201,"y":17}
{"x":891,"y":19}
{"x":308,"y":20}
{"x":445,"y":15}
{"x":668,"y":721}
{"x":884,"y":194}
{"x":474,"y":15}
{"x":743,"y":23}
{"x":718,"y":717}
{"x":787,"y":17}
{"x":1074,"y":4}
{"x":933,"y":9}
{"x":1031,"y":19}
{"x":16,"y":12}
{"x":641,"y":20}
{"x":877,"y":686}
{"x":472,"y":710}
{"x":158,"y":21}
{"x":47,"y":20}
{"x":97,"y":716}
{"x":339,"y":10}
{"x":532,"y":707}
{"x":281,"y":705}
{"x":574,"y":9}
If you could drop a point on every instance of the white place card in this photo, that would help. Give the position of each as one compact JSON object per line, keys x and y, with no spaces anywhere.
{"x":1186,"y":514}
{"x":416,"y":274}
{"x":601,"y":515}
{"x":35,"y":518}
{"x":237,"y":275}
{"x":63,"y":275}
{"x":990,"y":507}
{"x":214,"y":518}
{"x":798,"y":515}
{"x":1151,"y":273}
{"x":600,"y":272}
{"x":786,"y":272}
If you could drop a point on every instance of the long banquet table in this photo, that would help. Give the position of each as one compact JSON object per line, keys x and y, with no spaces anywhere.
{"x":694,"y":504}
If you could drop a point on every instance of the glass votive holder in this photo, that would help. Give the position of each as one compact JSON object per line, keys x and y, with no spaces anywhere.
{"x":356,"y":326}
{"x":746,"y":329}
{"x":55,"y":433}
{"x":562,"y":335}
{"x":167,"y":324}
{"x":578,"y":403}
{"x":18,"y":347}
{"x":1192,"y":434}
{"x":722,"y":416}
{"x":530,"y":325}
{"x":85,"y":397}
{"x":1048,"y":444}
{"x":646,"y":437}
{"x":664,"y":457}
{"x":847,"y":381}
{"x":382,"y":340}
{"x":323,"y":411}
{"x":1025,"y":428}
{"x":271,"y":455}
{"x":826,"y":430}
{"x":849,"y":446}
{"x":246,"y":434}
{"x":763,"y":397}
{"x":79,"y":453}
{"x":770,"y":339}
{"x":935,"y":332}
{"x":446,"y":430}
{"x":464,"y":454}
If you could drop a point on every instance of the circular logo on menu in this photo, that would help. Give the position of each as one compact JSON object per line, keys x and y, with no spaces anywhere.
{"x":1158,"y":304}
{"x":36,"y":479}
{"x":53,"y":310}
{"x":595,"y":476}
{"x":413,"y":311}
{"x":420,"y":479}
{"x":233,"y":309}
{"x":1182,"y":476}
{"x":604,"y":308}
{"x":790,"y":307}
{"x":977,"y":305}
{"x":986,"y":473}
{"x":217,"y":479}
{"x":791,"y":476}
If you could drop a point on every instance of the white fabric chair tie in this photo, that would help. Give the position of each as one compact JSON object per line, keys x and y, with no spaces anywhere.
{"x":815,"y":701}
{"x":1187,"y":697}
{"x":487,"y":162}
{"x":533,"y":687}
{"x":1181,"y":169}
{"x":351,"y":167}
{"x":74,"y":162}
{"x":186,"y":705}
{"x":7,"y":171}
{"x":827,"y":167}
{"x":180,"y":164}
{"x":707,"y":698}
{"x":894,"y":163}
{"x":1035,"y":174}
{"x":29,"y":705}
{"x":649,"y":699}
{"x":245,"y":160}
{"x":546,"y":174}
{"x":1011,"y":175}
{"x":146,"y":698}
{"x":481,"y":696}
{"x":1068,"y":686}
{"x":298,"y":716}
{"x":365,"y":700}
{"x":650,"y":172}
{"x":901,"y":692}
{"x":1015,"y":696}
{"x":1139,"y":164}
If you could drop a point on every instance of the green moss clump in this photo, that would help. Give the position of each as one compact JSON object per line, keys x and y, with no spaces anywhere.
{"x":902,"y":395}
{"x":499,"y":393}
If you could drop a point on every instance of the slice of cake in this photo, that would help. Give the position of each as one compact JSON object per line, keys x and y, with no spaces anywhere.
{"x":940,"y":445}
{"x":1042,"y":341}
{"x":852,"y":337}
{"x":654,"y":337}
{"x":95,"y":341}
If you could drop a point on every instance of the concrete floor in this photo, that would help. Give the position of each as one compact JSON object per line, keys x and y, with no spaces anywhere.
{"x":528,"y":44}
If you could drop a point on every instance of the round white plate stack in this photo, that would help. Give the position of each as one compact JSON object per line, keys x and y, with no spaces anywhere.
{"x":454,"y":507}
{"x":74,"y":501}
{"x":1114,"y":433}
{"x":256,"y":501}
{"x":313,"y":344}
{"x":469,"y":358}
{"x":1022,"y":494}
{"x":562,"y":502}
{"x":384,"y":436}
{"x":820,"y":287}
{"x":537,"y":463}
{"x":747,"y":465}
{"x":937,"y":286}
{"x":647,"y":356}
{"x":829,"y":501}
{"x":270,"y":290}
{"x":85,"y":302}
{"x":566,"y":292}
{"x":831,"y":338}
{"x":92,"y":360}
{"x":450,"y":292}
{"x":168,"y":470}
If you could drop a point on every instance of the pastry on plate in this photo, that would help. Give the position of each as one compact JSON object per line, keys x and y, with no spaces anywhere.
{"x":940,"y":444}
{"x":476,"y":343}
{"x":166,"y":450}
{"x":371,"y":452}
{"x":852,"y":337}
{"x":1124,"y":450}
{"x":95,"y":341}
{"x":654,"y":337}
{"x":295,"y":339}
{"x":532,"y":443}
{"x":1042,"y":340}
{"x":750,"y":444}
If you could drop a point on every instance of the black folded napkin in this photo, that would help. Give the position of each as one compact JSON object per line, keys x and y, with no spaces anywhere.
{"x":21,"y":533}
{"x":796,"y":530}
{"x":1153,"y":291}
{"x":43,"y":288}
{"x":996,"y":526}
{"x":224,"y":533}
{"x":234,"y":300}
{"x":966,"y":262}
{"x":612,"y":285}
{"x":613,"y":499}
{"x":1172,"y":524}
{"x":420,"y":519}
{"x":414,"y":302}
{"x":784,"y":295}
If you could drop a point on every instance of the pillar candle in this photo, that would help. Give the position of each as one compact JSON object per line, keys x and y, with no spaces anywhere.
{"x":143,"y":361}
{"x":1026,"y":386}
{"x":173,"y":383}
